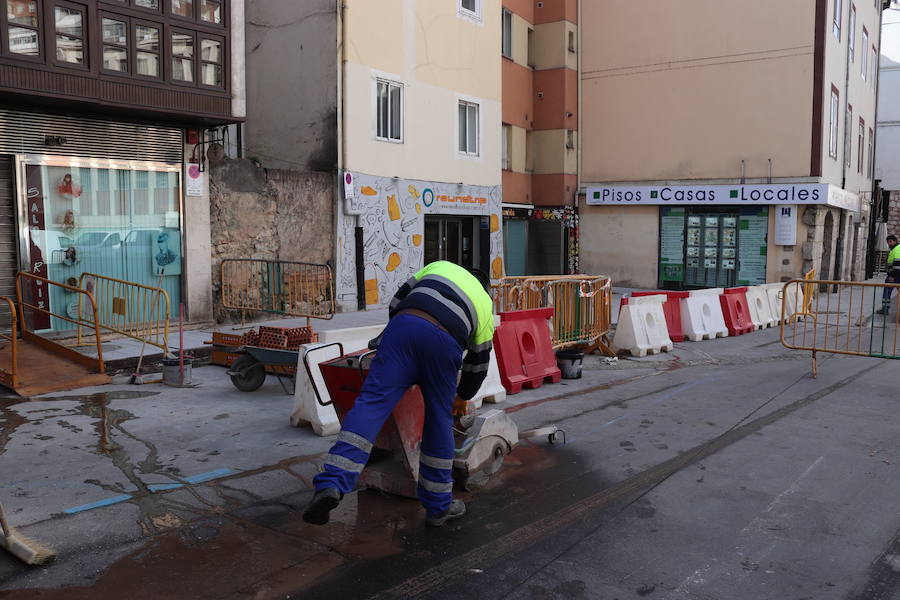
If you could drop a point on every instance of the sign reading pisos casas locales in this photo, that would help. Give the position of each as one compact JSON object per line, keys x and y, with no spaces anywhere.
{"x":755,"y":194}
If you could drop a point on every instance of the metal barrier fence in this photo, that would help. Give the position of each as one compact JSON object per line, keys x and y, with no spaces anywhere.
{"x":9,"y":374}
{"x":844,"y":321}
{"x":279,"y":287}
{"x":86,"y":317}
{"x":134,"y":310}
{"x":582,"y":306}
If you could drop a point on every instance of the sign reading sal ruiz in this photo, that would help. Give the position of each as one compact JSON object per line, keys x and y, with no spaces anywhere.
{"x":800,"y":193}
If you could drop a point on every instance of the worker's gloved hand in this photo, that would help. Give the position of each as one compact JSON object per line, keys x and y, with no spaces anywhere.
{"x":460,"y":407}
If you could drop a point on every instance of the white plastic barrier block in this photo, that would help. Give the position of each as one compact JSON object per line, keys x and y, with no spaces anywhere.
{"x":758,"y":305}
{"x":773,"y":292}
{"x":323,"y":419}
{"x":642,"y":327}
{"x":701,"y":315}
{"x":792,"y":302}
{"x":491,"y":389}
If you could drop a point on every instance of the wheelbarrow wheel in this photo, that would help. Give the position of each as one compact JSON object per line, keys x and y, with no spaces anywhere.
{"x":247,"y":375}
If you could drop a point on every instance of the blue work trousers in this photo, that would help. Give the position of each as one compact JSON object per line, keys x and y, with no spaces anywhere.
{"x":893,"y":276}
{"x":412,"y":351}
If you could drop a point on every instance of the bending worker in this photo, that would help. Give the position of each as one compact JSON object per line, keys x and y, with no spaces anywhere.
{"x":893,"y":273}
{"x":441,"y":311}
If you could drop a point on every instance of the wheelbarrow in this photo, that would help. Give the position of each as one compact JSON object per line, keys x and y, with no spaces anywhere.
{"x":248,"y":372}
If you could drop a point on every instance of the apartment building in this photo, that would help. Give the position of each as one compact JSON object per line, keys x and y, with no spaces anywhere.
{"x":727,"y":143}
{"x":401,"y":98}
{"x":103,"y":107}
{"x":887,"y":151}
{"x":540,"y":136}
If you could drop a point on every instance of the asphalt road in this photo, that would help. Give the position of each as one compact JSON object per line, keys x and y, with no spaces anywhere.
{"x":722,"y":471}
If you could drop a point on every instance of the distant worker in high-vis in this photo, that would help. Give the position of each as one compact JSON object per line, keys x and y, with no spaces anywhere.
{"x":893,"y":273}
{"x":439,"y":313}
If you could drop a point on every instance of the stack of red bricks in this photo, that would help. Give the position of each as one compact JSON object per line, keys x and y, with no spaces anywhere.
{"x":284,"y":338}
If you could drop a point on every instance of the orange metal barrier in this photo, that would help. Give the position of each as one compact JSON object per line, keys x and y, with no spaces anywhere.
{"x":276,"y":286}
{"x":9,"y":373}
{"x":138,"y":311}
{"x":582,"y":306}
{"x":85,"y":318}
{"x":843,"y":321}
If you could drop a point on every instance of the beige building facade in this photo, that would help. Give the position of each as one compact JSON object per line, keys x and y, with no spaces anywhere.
{"x":727,"y":144}
{"x":420,"y":142}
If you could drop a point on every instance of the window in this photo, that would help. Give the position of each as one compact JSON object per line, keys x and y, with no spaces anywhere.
{"x":848,"y":128}
{"x":505,"y":145}
{"x":468,"y":128}
{"x":860,"y":155}
{"x":469,"y":9}
{"x":529,"y":151}
{"x":570,"y":139}
{"x":211,"y":11}
{"x":183,"y":8}
{"x":146,"y":45}
{"x":211,"y":62}
{"x":864,"y":63}
{"x":833,"y":124}
{"x":389,"y":110}
{"x":571,"y":41}
{"x":507,"y":34}
{"x":151,"y":4}
{"x":182,"y":56}
{"x":114,"y":34}
{"x":23,"y":27}
{"x":69,"y":23}
{"x":530,"y":47}
{"x":836,"y":27}
{"x":874,"y":66}
{"x":871,"y":172}
{"x":851,"y":32}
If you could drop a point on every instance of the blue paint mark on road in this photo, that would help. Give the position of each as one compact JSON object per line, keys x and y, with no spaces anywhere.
{"x":209,"y":476}
{"x":161,"y":487}
{"x":98,"y":504}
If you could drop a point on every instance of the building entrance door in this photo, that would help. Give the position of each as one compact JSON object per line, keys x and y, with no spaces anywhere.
{"x":451,"y":239}
{"x":711,"y":250}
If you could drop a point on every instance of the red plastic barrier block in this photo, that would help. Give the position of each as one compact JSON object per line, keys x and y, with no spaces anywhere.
{"x":524,"y":352}
{"x":736,"y":311}
{"x":672,"y":310}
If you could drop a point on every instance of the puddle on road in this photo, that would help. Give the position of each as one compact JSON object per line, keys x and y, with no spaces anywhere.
{"x":267,"y":551}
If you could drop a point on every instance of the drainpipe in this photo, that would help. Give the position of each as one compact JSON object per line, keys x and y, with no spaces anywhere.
{"x":579,"y":139}
{"x":873,"y":201}
{"x":848,"y":131}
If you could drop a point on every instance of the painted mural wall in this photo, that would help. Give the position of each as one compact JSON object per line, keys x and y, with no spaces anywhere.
{"x":392,"y":214}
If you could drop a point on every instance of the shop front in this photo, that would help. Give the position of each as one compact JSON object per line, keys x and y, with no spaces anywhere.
{"x":104,"y":199}
{"x":714,"y":235}
{"x":540,"y":241}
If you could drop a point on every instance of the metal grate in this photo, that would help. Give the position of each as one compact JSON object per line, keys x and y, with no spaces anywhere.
{"x":26,"y":132}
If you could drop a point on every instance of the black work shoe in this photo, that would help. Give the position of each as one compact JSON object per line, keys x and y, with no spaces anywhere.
{"x":456,"y":509}
{"x":882,"y":311}
{"x":322,"y":503}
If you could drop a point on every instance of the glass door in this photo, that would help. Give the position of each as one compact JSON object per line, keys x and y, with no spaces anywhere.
{"x":711,"y":243}
{"x":449,"y":238}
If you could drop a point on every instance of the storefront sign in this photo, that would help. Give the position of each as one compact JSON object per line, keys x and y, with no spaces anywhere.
{"x":785,"y":225}
{"x":698,"y":195}
{"x":193,"y":181}
{"x":40,"y":295}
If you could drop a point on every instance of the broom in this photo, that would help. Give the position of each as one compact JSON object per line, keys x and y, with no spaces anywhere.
{"x":23,"y":548}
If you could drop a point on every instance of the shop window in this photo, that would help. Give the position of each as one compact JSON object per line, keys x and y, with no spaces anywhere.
{"x":146,"y":46}
{"x":23,"y":27}
{"x":115,"y":44}
{"x":69,"y":22}
{"x":182,"y":56}
{"x":101,"y":221}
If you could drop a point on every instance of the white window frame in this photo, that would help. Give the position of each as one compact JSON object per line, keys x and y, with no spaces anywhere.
{"x":864,"y":63}
{"x":874,"y":67}
{"x":833,"y":124}
{"x":506,"y":34}
{"x":836,"y":21}
{"x":474,"y":16}
{"x":391,"y":83}
{"x":851,"y":33}
{"x":848,"y":138}
{"x":467,"y":152}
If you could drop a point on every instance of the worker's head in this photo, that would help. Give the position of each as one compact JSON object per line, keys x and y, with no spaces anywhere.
{"x":891,"y":241}
{"x":482,"y":278}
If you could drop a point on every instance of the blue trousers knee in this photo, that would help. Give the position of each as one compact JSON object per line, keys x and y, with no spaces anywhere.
{"x":412,"y":351}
